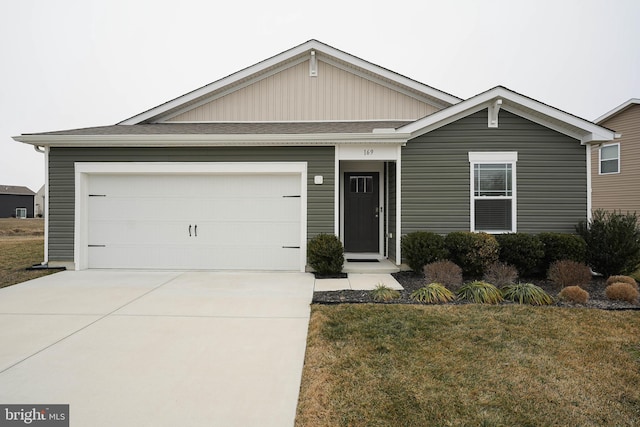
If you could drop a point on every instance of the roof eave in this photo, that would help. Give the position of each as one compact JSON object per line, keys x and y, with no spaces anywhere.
{"x":211,"y":140}
{"x":620,"y":108}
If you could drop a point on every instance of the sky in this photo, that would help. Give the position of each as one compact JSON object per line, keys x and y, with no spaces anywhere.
{"x":68,"y":64}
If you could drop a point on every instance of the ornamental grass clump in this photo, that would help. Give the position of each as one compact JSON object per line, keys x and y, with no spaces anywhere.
{"x":568,"y":273}
{"x":480,"y":292}
{"x":384,"y":293}
{"x":433,"y":293}
{"x":574,"y":294}
{"x":622,"y":292}
{"x":526,"y":293}
{"x":500,"y":274}
{"x":622,"y":279}
{"x":445,"y":272}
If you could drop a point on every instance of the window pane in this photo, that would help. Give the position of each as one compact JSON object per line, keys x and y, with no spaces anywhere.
{"x":609,"y":153}
{"x":492,"y":180}
{"x":493,"y":215}
{"x":609,"y":166}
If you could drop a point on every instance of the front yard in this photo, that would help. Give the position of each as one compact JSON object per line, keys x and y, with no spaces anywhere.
{"x":464,"y":365}
{"x":21,"y":246}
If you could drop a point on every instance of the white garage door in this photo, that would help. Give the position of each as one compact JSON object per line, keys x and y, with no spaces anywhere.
{"x":170,"y":221}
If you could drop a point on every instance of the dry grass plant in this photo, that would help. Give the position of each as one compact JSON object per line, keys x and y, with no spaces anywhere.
{"x":574,"y":294}
{"x":500,"y":274}
{"x":569,"y":273}
{"x":622,"y":291}
{"x":526,"y":293}
{"x":469,"y":365}
{"x":384,"y":293}
{"x":445,"y":272}
{"x":622,"y":279}
{"x":480,"y":292}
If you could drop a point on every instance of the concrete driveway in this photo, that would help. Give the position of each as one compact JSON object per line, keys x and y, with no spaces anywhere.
{"x":134,"y":348}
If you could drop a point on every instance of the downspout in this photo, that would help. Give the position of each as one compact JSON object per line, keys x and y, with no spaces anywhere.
{"x":589,"y":187}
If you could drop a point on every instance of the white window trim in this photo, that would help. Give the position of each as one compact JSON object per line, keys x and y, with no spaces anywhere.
{"x":476,"y":158}
{"x":600,"y":159}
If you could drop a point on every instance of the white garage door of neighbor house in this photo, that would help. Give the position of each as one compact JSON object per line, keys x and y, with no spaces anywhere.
{"x":247,"y":222}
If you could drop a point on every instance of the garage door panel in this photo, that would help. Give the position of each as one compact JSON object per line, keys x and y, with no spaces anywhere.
{"x":243,"y":221}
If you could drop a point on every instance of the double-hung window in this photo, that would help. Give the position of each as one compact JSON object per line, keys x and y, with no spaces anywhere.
{"x":610,"y":159}
{"x":493,"y":191}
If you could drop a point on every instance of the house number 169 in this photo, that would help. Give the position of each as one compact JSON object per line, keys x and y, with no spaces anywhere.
{"x":368,"y":151}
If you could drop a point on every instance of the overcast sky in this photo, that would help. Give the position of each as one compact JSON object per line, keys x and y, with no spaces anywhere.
{"x":77,"y":63}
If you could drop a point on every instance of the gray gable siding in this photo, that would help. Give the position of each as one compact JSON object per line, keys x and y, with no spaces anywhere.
{"x":551,"y":175}
{"x":320,"y":199}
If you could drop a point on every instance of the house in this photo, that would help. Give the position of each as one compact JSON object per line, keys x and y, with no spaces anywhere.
{"x":615,"y":165}
{"x":16,"y":202}
{"x":240,"y":173}
{"x":40,"y":203}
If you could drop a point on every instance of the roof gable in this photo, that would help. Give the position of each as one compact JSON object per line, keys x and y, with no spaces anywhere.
{"x":502,"y":98}
{"x":312,"y":59}
{"x":619,"y":109}
{"x":16,"y":190}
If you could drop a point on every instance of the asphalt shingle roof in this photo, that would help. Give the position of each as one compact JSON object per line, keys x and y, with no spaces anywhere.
{"x":16,"y":190}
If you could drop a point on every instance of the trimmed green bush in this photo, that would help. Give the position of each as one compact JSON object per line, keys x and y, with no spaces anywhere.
{"x":325,"y":254}
{"x":559,"y":246}
{"x":384,"y":293}
{"x":524,"y":251}
{"x":473,"y":252}
{"x":480,"y":292}
{"x":613,"y":242}
{"x":433,"y":293}
{"x":526,"y":293}
{"x":422,"y":247}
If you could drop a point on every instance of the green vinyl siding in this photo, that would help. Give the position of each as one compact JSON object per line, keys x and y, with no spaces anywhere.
{"x":551,"y":175}
{"x":391,"y":211}
{"x":320,"y":198}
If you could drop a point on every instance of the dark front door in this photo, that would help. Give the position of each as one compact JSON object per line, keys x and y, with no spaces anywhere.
{"x":361,"y":212}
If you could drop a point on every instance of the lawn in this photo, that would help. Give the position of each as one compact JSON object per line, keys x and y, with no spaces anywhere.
{"x":470,"y":365}
{"x":21,"y":246}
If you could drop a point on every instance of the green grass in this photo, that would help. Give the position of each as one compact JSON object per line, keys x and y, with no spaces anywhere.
{"x":21,"y":246}
{"x":468,"y":365}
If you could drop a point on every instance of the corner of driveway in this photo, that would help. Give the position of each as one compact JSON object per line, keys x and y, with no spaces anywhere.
{"x":158,"y":348}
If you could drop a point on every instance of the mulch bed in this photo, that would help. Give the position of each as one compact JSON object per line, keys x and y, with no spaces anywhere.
{"x":411,"y":282}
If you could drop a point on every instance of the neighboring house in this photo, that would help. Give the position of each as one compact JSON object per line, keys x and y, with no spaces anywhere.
{"x":240,"y":173}
{"x":16,"y":202}
{"x":40,"y":200}
{"x":615,"y":173}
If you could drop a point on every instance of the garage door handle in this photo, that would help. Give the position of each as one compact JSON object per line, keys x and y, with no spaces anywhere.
{"x":195,"y":230}
{"x":189,"y":230}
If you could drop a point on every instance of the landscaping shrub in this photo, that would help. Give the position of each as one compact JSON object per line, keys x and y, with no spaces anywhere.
{"x":473,"y":252}
{"x":622,"y":279}
{"x":569,"y":273}
{"x":384,"y":293}
{"x":433,"y":293}
{"x":500,"y":274}
{"x":526,"y":293}
{"x":444,"y":272}
{"x":325,"y":254}
{"x":613,"y":242}
{"x":622,"y":291}
{"x":524,"y":251}
{"x":480,"y":292}
{"x":422,"y":247}
{"x":559,"y":246}
{"x":574,"y":294}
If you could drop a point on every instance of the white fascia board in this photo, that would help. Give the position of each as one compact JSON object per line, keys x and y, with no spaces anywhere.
{"x":210,"y":140}
{"x":518,"y":104}
{"x":283,"y":57}
{"x":616,"y":110}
